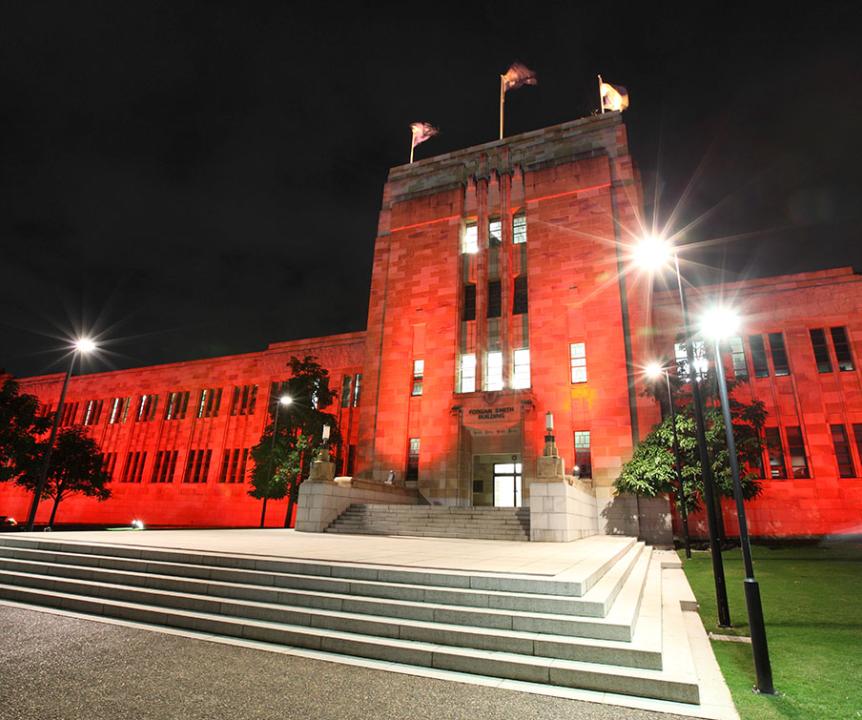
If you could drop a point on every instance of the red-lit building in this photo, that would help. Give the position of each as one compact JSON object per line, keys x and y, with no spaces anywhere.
{"x":176,"y":437}
{"x":798,"y":352}
{"x":499,"y":293}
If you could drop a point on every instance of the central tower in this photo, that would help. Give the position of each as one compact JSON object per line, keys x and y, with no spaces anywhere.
{"x":496,"y":297}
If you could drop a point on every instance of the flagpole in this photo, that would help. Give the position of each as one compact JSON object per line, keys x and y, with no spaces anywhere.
{"x":412,"y":147}
{"x":601,"y":101}
{"x":502,"y":100}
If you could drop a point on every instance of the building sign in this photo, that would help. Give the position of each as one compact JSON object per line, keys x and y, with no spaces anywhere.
{"x":492,"y":413}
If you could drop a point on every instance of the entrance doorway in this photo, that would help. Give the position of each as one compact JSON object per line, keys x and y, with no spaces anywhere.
{"x":497,"y":480}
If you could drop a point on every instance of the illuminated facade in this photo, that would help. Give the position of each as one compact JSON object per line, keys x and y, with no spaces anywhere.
{"x":497,"y":295}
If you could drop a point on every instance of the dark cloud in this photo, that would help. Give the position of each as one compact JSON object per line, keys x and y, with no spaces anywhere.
{"x":204,"y":178}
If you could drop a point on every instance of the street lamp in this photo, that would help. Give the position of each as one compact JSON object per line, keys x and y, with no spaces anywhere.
{"x":654,"y":371}
{"x":653,"y":253}
{"x":718,"y":323}
{"x":81,"y":346}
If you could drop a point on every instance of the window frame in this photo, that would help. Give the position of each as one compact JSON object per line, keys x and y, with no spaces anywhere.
{"x":845,"y":363}
{"x":820,"y":349}
{"x":578,"y":363}
{"x":495,"y":382}
{"x":775,"y":453}
{"x":516,"y":384}
{"x":461,"y":374}
{"x":418,"y":377}
{"x":470,"y":239}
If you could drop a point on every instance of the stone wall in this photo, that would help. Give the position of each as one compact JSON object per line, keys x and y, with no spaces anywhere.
{"x":562,"y":511}
{"x":321,"y":502}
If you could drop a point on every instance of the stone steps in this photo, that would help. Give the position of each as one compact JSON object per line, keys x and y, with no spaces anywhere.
{"x":585,"y":617}
{"x":597,"y":626}
{"x":481,"y":523}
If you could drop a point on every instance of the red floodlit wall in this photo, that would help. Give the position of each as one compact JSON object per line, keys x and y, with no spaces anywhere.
{"x":219,"y":496}
{"x":803,"y":397}
{"x":579,"y":194}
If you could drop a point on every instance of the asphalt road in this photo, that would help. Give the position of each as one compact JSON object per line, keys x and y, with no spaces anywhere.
{"x":54,"y":667}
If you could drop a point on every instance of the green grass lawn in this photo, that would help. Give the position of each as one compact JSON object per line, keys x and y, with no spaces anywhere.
{"x":812,"y":604}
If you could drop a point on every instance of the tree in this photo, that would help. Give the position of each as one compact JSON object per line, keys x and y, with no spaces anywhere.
{"x":298,"y":432}
{"x":76,"y":468}
{"x":651,"y":471}
{"x":276,"y":468}
{"x":20,"y":426}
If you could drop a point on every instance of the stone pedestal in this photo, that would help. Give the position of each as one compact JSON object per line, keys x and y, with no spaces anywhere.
{"x":550,"y":465}
{"x":322,"y":470}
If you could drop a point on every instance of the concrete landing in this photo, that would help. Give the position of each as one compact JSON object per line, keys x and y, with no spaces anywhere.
{"x":496,"y":556}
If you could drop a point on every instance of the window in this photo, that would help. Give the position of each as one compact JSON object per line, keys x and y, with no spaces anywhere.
{"x":345,"y":390}
{"x":467,"y":380}
{"x":842,"y":349}
{"x":351,"y":459}
{"x":233,"y":466}
{"x":68,"y":414}
{"x":412,"y":460}
{"x":521,"y":368}
{"x":857,"y":434}
{"x":777,"y":468}
{"x":758,"y":356}
{"x":147,"y":408}
{"x":244,"y":400}
{"x":109,"y":462}
{"x":519,"y":298}
{"x":134,"y":470}
{"x":357,"y":384}
{"x":470,"y":239}
{"x":737,"y":357}
{"x":176,"y":404}
{"x":842,"y":451}
{"x":494,"y":370}
{"x":578,"y":357}
{"x":821,"y":350}
{"x":495,"y":232}
{"x":796,"y":448}
{"x":418,"y":376}
{"x":495,"y":298}
{"x":469,"y":301}
{"x":92,"y":412}
{"x":119,"y":410}
{"x":210,"y":402}
{"x":701,"y":364}
{"x":166,"y":464}
{"x":583,"y":458}
{"x":779,"y":354}
{"x":197,"y":466}
{"x":519,"y":229}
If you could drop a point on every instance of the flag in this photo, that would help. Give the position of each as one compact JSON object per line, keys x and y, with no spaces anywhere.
{"x":614,"y":97}
{"x":518,"y":75}
{"x":422,"y":131}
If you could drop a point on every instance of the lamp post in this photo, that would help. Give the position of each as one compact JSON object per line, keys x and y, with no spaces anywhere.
{"x":720,"y":323}
{"x":82,"y":346}
{"x":653,"y":253}
{"x":283,"y":400}
{"x":654,"y":370}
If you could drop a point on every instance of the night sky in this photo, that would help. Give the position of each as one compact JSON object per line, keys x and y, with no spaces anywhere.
{"x":192,"y":179}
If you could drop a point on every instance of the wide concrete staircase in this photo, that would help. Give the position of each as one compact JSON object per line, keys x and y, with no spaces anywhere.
{"x":600,"y":626}
{"x":481,"y":523}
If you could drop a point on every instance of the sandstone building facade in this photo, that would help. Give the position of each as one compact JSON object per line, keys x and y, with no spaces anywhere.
{"x":500,"y":292}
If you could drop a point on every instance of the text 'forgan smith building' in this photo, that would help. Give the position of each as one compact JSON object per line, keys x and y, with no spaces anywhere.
{"x":499,"y":294}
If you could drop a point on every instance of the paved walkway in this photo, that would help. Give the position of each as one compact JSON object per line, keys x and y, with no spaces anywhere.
{"x":549,"y":559}
{"x":55,"y":667}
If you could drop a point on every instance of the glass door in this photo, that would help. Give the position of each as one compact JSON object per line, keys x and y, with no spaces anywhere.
{"x":507,"y":485}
